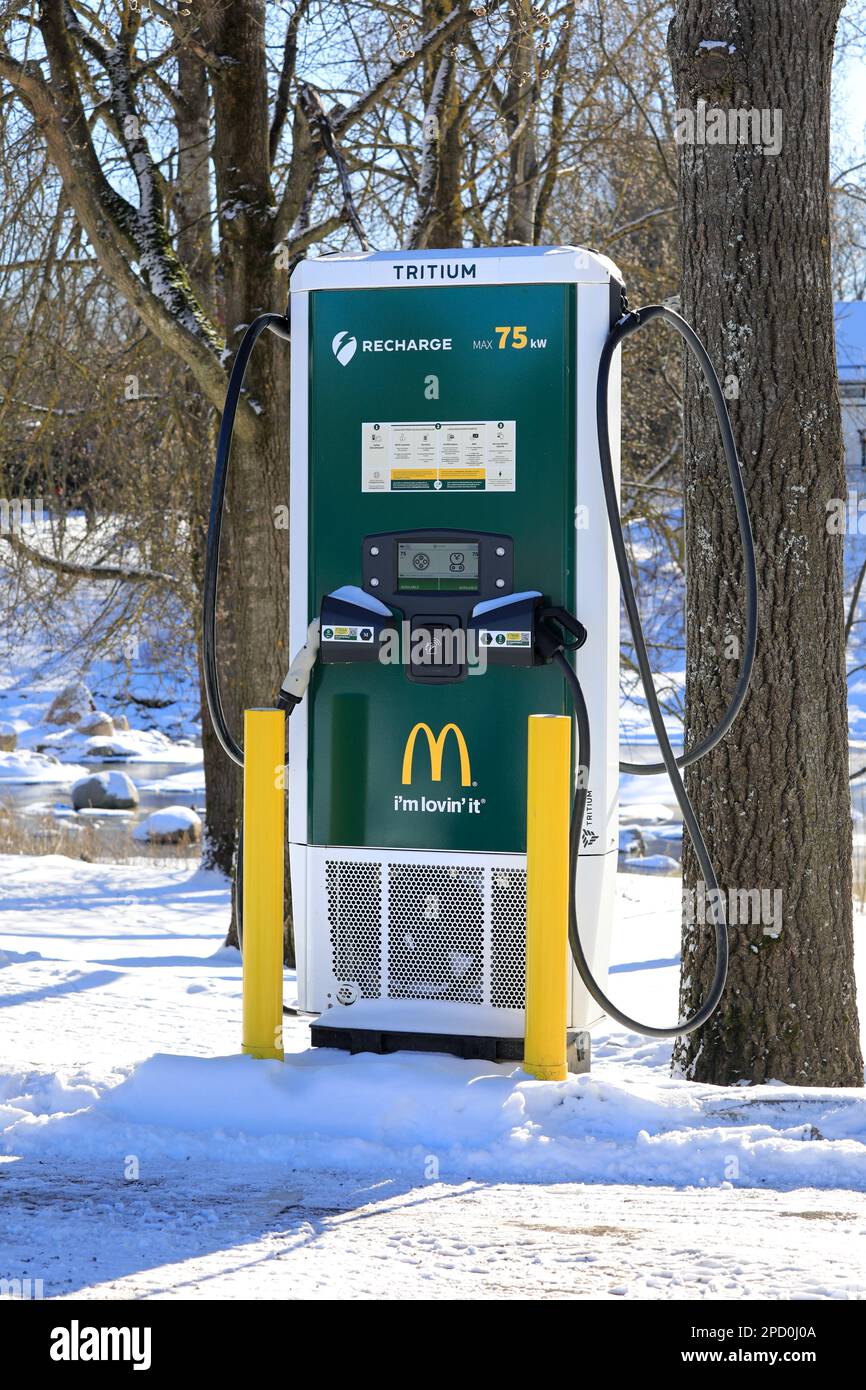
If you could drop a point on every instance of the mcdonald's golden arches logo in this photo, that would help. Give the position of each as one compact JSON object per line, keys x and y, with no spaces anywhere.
{"x":436,"y":746}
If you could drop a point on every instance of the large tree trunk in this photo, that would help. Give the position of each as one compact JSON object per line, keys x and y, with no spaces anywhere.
{"x":773,"y":798}
{"x":192,"y":216}
{"x":252,"y":283}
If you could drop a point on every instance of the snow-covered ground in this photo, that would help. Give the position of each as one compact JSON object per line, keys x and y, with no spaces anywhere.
{"x":141,"y":1156}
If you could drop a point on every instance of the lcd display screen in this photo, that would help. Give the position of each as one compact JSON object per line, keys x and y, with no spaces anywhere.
{"x":446,"y":567}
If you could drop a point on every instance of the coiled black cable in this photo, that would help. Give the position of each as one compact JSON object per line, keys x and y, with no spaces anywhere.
{"x":670,"y":764}
{"x":691,"y":823}
{"x":281,"y":325}
{"x":627,"y":325}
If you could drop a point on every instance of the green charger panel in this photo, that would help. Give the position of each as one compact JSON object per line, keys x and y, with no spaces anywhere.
{"x":436,"y":409}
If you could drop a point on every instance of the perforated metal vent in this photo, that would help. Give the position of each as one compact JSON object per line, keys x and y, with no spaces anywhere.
{"x":508,"y":943}
{"x":435,"y":932}
{"x":441,"y":931}
{"x":355,"y":917}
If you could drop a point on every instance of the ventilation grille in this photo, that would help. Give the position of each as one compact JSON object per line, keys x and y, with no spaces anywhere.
{"x":435,"y":933}
{"x":446,"y":931}
{"x":508,"y":944}
{"x":355,"y":918}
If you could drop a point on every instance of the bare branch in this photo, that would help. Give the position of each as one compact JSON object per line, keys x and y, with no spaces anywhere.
{"x":855,"y":599}
{"x":625,"y":227}
{"x":319,"y":121}
{"x":186,"y":34}
{"x":287,"y":72}
{"x":425,"y":49}
{"x":121,"y":236}
{"x":96,"y":572}
{"x":429,"y":175}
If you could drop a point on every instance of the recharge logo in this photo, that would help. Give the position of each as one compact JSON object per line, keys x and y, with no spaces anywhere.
{"x":436,"y":747}
{"x":344,"y":347}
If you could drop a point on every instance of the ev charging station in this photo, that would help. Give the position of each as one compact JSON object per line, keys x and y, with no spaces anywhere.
{"x":456,"y":562}
{"x":444,"y":459}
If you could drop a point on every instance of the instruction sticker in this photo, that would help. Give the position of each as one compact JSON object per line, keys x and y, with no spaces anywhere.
{"x":438,"y":456}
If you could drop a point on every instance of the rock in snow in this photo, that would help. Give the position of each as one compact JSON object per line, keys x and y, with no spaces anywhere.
{"x":653,"y":864}
{"x":71,"y":705}
{"x":171,"y":826}
{"x":94,"y":723}
{"x":8,"y":738}
{"x":105,"y":791}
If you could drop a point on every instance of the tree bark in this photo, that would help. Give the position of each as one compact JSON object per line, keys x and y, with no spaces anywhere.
{"x":519,"y":112}
{"x":192,"y":215}
{"x":774,"y":797}
{"x":444,"y":227}
{"x":252,"y":283}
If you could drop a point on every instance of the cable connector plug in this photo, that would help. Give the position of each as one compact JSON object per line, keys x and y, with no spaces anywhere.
{"x":294,"y":687}
{"x":550,"y":632}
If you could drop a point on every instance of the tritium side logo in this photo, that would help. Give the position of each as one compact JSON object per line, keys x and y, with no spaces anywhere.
{"x":344,"y":347}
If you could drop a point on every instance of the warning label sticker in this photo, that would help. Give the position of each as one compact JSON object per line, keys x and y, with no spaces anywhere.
{"x":497,"y":638}
{"x":438,"y":456}
{"x":346,"y":634}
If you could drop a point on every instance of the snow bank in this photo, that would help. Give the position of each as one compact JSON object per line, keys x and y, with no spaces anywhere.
{"x":188,"y":783}
{"x":130,"y":745}
{"x":24,"y":767}
{"x":130,"y":963}
{"x":478,"y":1121}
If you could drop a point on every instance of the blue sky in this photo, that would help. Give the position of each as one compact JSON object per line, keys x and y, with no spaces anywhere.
{"x":849,"y":106}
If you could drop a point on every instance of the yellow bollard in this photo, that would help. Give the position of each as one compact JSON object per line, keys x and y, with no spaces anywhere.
{"x":547,"y":818}
{"x":264,"y":848}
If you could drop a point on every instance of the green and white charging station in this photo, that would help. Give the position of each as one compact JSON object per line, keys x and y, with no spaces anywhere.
{"x":444,"y":459}
{"x":456,"y":545}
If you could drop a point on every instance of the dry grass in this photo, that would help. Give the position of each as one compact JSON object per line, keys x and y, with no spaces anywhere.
{"x":81,"y":838}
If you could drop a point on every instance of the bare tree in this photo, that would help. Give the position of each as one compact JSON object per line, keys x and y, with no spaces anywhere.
{"x":104,"y":88}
